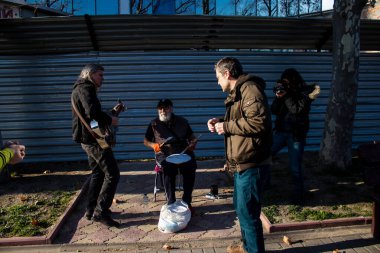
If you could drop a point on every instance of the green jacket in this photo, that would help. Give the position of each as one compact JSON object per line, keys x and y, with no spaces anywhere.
{"x":5,"y":156}
{"x":247,"y":124}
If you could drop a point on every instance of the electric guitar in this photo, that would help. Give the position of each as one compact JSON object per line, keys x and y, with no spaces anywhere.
{"x":106,"y":136}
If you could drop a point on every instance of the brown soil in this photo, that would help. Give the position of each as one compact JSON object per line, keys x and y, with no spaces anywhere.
{"x":32,"y":180}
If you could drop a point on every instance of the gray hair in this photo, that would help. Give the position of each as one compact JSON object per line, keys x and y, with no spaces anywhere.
{"x":90,"y":69}
{"x":230,"y":64}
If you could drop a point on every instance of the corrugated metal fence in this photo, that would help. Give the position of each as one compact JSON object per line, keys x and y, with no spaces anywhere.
{"x":35,"y":96}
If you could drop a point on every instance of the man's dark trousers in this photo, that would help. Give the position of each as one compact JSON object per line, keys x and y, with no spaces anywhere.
{"x":104,"y":179}
{"x":187,"y":170}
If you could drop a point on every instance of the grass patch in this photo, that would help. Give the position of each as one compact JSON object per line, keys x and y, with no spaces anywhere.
{"x":271,"y":212}
{"x":295,"y":213}
{"x":303,"y":214}
{"x":329,"y":194}
{"x":34,"y":216}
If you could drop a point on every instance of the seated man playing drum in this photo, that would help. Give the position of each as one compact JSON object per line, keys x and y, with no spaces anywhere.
{"x":170,"y":135}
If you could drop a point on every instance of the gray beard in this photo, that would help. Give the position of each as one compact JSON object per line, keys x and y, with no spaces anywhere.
{"x":164,"y":118}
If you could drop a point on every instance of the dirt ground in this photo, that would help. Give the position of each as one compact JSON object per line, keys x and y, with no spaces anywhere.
{"x":35,"y":181}
{"x":341,"y":193}
{"x":326,"y":190}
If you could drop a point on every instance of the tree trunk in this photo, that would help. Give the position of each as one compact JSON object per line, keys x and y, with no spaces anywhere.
{"x":336,"y":145}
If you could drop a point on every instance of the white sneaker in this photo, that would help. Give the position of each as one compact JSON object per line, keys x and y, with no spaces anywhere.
{"x":211,"y":196}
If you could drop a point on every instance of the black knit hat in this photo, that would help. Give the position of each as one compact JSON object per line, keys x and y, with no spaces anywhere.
{"x":164,"y":103}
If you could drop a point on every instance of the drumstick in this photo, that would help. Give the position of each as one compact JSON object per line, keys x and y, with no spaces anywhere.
{"x":189,"y":145}
{"x":166,"y":140}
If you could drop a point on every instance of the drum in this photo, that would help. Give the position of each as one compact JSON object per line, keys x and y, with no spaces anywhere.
{"x":178,"y":158}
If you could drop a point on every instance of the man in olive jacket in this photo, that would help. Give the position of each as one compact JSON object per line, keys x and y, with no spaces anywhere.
{"x":247,"y":131}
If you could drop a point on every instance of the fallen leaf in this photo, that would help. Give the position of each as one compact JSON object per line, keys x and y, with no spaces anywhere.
{"x":287,"y":240}
{"x":35,"y":222}
{"x":167,"y":247}
{"x":23,"y":198}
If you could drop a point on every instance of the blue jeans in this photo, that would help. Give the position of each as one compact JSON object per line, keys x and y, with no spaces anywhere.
{"x":295,"y":153}
{"x":248,"y":189}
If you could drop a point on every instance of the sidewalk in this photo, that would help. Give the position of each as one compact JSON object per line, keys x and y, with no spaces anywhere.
{"x":211,"y":230}
{"x":213,"y":219}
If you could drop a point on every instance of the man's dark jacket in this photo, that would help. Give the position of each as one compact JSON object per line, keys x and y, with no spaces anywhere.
{"x":85,"y":98}
{"x":292,"y":114}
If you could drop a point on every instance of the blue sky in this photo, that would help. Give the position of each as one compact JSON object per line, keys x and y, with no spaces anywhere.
{"x":110,"y":7}
{"x":327,"y":4}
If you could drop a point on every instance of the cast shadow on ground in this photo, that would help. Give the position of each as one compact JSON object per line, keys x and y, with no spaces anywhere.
{"x":323,"y":186}
{"x":329,"y":247}
{"x":68,"y":229}
{"x":43,"y":183}
{"x":41,"y":167}
{"x":207,"y":217}
{"x":144,"y":183}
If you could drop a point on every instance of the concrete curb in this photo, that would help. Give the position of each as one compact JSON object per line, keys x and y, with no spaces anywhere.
{"x":270,"y":228}
{"x":48,"y":239}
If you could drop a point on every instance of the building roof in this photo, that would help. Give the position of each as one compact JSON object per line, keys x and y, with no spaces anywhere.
{"x":75,"y":34}
{"x":37,"y":9}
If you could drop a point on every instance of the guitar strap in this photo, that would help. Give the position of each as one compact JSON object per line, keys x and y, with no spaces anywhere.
{"x":83,"y":121}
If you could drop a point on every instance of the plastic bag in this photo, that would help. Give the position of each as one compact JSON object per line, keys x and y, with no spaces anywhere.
{"x":174,"y":217}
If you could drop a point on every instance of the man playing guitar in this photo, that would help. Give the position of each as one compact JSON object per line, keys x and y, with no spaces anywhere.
{"x":105,"y":172}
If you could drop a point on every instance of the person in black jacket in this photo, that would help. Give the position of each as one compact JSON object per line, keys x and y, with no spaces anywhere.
{"x":291,"y":107}
{"x":105,"y":172}
{"x":169,"y":134}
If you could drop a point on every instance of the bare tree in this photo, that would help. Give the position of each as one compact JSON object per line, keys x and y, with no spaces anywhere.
{"x":183,"y":7}
{"x":274,"y":8}
{"x":208,"y":7}
{"x":299,"y":7}
{"x":268,"y":5}
{"x":309,"y":6}
{"x":138,"y":6}
{"x":336,"y":145}
{"x":54,"y":4}
{"x":246,"y":7}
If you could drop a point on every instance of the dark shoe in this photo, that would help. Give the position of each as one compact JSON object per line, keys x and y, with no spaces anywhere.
{"x":192,"y":211}
{"x":108,"y":221}
{"x":89,"y":214}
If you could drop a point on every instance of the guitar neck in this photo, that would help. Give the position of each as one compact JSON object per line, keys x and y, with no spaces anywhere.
{"x":119,"y":108}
